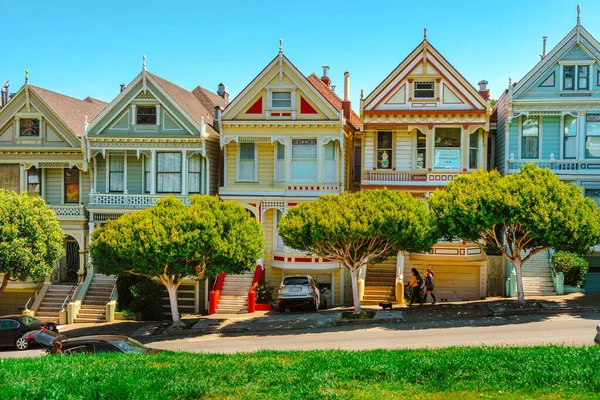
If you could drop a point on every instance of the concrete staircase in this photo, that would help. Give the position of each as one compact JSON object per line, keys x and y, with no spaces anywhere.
{"x":93,"y":307}
{"x":52,"y":302}
{"x":380,"y":283}
{"x":234,"y":296}
{"x":537,"y":276}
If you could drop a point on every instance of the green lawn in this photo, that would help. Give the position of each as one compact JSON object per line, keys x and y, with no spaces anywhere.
{"x":551,"y":372}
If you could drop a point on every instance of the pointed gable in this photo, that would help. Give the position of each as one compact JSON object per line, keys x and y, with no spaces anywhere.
{"x":280,"y":91}
{"x":424,"y":80}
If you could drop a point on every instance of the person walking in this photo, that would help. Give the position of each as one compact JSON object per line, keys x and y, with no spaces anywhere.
{"x":415,"y":286}
{"x":429,"y":286}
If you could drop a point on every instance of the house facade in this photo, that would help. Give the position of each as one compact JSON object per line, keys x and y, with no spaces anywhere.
{"x":423,"y":126}
{"x":287,"y":139}
{"x":42,"y":153}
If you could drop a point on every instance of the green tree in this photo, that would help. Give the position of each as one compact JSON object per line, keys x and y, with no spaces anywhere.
{"x":171,"y":241}
{"x":533,"y":210}
{"x":359,"y":228}
{"x":31,"y":240}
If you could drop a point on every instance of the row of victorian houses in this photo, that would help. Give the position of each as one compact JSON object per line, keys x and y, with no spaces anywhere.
{"x":288,"y":138}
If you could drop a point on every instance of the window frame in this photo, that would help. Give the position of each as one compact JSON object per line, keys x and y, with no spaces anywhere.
{"x":240,"y":161}
{"x":333,"y":161}
{"x":147,"y":174}
{"x":272,"y":100}
{"x":417,"y":149}
{"x":159,"y":173}
{"x":298,"y":159}
{"x":67,"y":184}
{"x":475,"y":149}
{"x":567,"y":135}
{"x":585,"y":68}
{"x":279,"y":162}
{"x":415,"y":89}
{"x":137,"y":115}
{"x":15,"y":185}
{"x":589,"y":118}
{"x":391,"y":155}
{"x":448,"y":148}
{"x":198,"y":173}
{"x":38,"y":173}
{"x":573,"y":77}
{"x":523,"y":137}
{"x":39,"y":127}
{"x":112,"y":172}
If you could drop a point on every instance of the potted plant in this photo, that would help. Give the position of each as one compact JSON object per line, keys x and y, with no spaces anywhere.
{"x":264,"y":296}
{"x":573,"y":267}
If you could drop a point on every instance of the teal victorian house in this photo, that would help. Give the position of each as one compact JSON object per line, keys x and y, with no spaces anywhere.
{"x":551,"y":117}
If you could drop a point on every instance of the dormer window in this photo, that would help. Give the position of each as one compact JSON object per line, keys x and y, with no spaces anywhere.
{"x":576,"y":77}
{"x":281,"y":100}
{"x":146,"y":115}
{"x":582,"y":77}
{"x":569,"y":78}
{"x":424,"y":90}
{"x":29,"y":127}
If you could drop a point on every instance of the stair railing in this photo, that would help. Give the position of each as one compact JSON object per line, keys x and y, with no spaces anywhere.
{"x":558,"y":278}
{"x":215,"y":294}
{"x":69,"y":296}
{"x":37,"y":289}
{"x":252,"y":291}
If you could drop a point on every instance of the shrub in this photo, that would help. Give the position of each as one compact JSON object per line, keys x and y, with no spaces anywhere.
{"x":264,"y":293}
{"x":146,"y":296}
{"x":573,"y":266}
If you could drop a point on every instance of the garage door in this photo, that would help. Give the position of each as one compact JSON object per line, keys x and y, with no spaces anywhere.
{"x":456,"y":283}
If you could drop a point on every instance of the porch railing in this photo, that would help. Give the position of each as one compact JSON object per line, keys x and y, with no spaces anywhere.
{"x":436,"y":178}
{"x":69,"y":212}
{"x":556,"y":165}
{"x":132,"y":200}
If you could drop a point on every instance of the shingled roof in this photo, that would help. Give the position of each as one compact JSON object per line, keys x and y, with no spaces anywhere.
{"x":333,"y":98}
{"x":71,"y":111}
{"x":197,"y":104}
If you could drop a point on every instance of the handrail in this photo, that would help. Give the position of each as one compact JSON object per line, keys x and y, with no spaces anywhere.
{"x":70,"y":295}
{"x":252,"y":291}
{"x":215,"y":294}
{"x":34,"y":294}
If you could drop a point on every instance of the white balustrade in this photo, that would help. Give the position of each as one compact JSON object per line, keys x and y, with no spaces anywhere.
{"x":129,"y":200}
{"x":568,"y":166}
{"x":69,"y":212}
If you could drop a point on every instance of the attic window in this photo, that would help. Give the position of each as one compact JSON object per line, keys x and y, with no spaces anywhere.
{"x":146,"y":115}
{"x":281,"y":100}
{"x":424,"y":90}
{"x":30,"y":127}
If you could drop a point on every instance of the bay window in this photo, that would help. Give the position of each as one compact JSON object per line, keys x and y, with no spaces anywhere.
{"x":569,"y":77}
{"x":279,"y":162}
{"x":195,"y":174}
{"x":582,"y":77}
{"x":304,"y":159}
{"x":530,"y":137}
{"x":147,"y":174}
{"x":116,"y":173}
{"x":592,"y":136}
{"x":421,"y":150}
{"x":384,"y":150}
{"x":447,"y":148}
{"x":34,"y":181}
{"x":71,"y":188}
{"x":247,"y":162}
{"x":9,"y":177}
{"x":570,"y":140}
{"x":474,"y":150}
{"x":330,"y":161}
{"x":168,"y":172}
{"x":278,"y":239}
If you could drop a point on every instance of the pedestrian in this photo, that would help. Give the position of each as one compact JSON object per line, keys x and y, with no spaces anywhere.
{"x":597,"y":338}
{"x":415,"y":285}
{"x":429,"y":286}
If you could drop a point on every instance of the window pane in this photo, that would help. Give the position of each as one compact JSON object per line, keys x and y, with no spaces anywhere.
{"x":116,"y":175}
{"x":33,"y":181}
{"x":330,"y":151}
{"x":568,"y":77}
{"x":30,"y":127}
{"x":194,"y":169}
{"x":304,"y":170}
{"x":147,"y":175}
{"x":281,"y":99}
{"x":9,"y":177}
{"x":247,"y":170}
{"x":592,"y":147}
{"x":169,"y":162}
{"x":247,"y":151}
{"x":570,"y":146}
{"x":529,"y":147}
{"x":473,"y":158}
{"x":446,"y":158}
{"x":72,"y":185}
{"x":303,"y":151}
{"x":384,"y":150}
{"x":280,"y":151}
{"x":531,"y":126}
{"x":421,"y":150}
{"x":279,"y":245}
{"x":473,"y":150}
{"x":169,"y":182}
{"x":570,"y":125}
{"x":592,"y":126}
{"x":146,"y":115}
{"x":447,"y":137}
{"x":582,"y":77}
{"x":424,"y":90}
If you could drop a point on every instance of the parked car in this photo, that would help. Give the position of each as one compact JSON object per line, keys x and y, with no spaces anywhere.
{"x":59,"y":344}
{"x":12,"y":328}
{"x":300,"y":291}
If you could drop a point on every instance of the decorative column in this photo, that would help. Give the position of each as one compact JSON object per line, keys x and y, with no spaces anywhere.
{"x":153,"y":172}
{"x":320,"y":160}
{"x":400,"y":278}
{"x":184,"y":173}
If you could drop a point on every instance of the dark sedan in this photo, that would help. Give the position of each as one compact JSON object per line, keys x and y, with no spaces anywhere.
{"x":13,"y":327}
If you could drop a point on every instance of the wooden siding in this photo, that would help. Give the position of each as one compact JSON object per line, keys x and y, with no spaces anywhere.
{"x":513,"y":138}
{"x":212,"y":152}
{"x":100,"y":174}
{"x":86,"y":186}
{"x":404,"y":151}
{"x":134,"y":175}
{"x":266,"y":163}
{"x":369,"y":151}
{"x":551,"y":137}
{"x":53,"y":185}
{"x":500,"y":133}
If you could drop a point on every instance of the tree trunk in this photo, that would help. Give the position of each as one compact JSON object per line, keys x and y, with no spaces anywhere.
{"x":4,"y":282}
{"x":519,"y":274}
{"x":172,"y":289}
{"x":354,"y":273}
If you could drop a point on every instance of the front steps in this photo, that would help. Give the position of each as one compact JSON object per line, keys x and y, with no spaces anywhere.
{"x":380,"y":283}
{"x":234,"y":295}
{"x":93,"y":307}
{"x":537,"y":276}
{"x":52,"y":302}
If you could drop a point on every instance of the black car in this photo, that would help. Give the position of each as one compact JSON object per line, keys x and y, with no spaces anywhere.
{"x":12,"y":328}
{"x":59,"y":344}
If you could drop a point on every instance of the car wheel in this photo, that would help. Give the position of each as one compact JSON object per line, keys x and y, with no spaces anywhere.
{"x":316,"y":306}
{"x":21,"y":344}
{"x":282,"y":308}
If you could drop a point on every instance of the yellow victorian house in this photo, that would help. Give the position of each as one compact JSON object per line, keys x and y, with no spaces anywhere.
{"x":286,"y":139}
{"x":423,"y":126}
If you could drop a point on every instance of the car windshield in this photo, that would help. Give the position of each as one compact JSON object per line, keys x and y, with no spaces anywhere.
{"x":296,"y":280}
{"x":27,"y":320}
{"x":130,"y":346}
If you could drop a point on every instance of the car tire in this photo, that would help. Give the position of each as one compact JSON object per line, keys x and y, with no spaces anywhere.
{"x":21,"y":344}
{"x":282,"y":308}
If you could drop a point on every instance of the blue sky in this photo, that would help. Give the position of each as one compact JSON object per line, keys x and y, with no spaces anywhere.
{"x":88,"y":48}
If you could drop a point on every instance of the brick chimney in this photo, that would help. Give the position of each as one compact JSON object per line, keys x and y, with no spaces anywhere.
{"x":222,"y":91}
{"x":5,"y":94}
{"x":346,"y":105}
{"x":325,"y":78}
{"x":483,"y":90}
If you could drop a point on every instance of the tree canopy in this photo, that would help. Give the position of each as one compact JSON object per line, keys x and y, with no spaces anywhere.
{"x":171,"y":241}
{"x":519,"y":214}
{"x":358,"y":228}
{"x":31,"y":240}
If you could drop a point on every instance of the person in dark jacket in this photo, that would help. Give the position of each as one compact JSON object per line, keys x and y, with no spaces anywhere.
{"x":415,"y":286}
{"x":429,"y":286}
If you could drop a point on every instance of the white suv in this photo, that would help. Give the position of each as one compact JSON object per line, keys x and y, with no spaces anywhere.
{"x":301,"y":291}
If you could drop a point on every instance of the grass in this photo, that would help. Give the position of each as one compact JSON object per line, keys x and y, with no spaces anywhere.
{"x":549,"y":372}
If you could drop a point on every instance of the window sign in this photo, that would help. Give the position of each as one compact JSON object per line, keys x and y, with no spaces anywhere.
{"x":447,"y":159}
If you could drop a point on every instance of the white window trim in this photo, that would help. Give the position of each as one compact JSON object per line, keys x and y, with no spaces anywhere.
{"x":540,"y":137}
{"x":576,"y":64}
{"x":319,"y":170}
{"x":62,"y":188}
{"x":461,"y":148}
{"x":423,"y":81}
{"x":392,"y":150}
{"x":276,"y":143}
{"x":237,"y":167}
{"x":574,"y":114}
{"x":19,"y":117}
{"x":336,"y":159}
{"x":276,"y":212}
{"x":281,"y":88}
{"x":415,"y":150}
